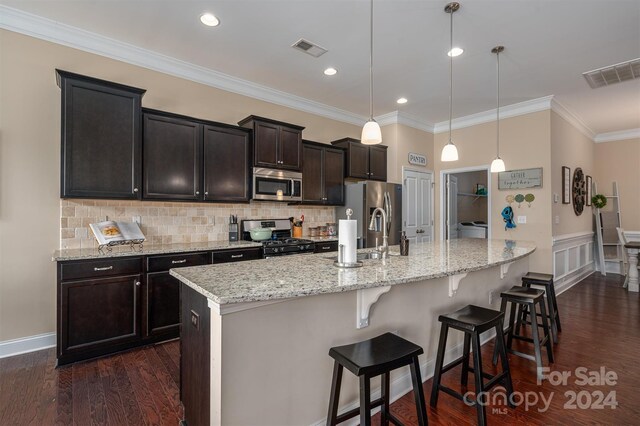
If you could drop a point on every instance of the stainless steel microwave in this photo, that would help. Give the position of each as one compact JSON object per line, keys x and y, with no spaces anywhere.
{"x":276,"y":185}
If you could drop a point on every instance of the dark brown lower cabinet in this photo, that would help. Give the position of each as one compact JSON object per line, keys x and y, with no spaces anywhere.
{"x":98,"y":316}
{"x":195,"y":349}
{"x":161,"y":313}
{"x":326,"y":246}
{"x":111,"y":304}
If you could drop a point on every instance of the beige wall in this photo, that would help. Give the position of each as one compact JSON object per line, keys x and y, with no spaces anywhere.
{"x":619,"y":161}
{"x":569,"y":148}
{"x":524,"y":144}
{"x":30,"y":157}
{"x":410,"y":140}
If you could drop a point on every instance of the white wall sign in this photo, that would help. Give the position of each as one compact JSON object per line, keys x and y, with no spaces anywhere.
{"x":417,"y":159}
{"x":517,"y":179}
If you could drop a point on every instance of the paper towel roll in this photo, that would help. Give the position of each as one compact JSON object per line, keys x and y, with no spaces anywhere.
{"x":347,"y":236}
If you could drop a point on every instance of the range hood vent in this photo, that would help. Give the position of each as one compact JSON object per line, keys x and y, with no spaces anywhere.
{"x":613,"y":74}
{"x":309,"y":48}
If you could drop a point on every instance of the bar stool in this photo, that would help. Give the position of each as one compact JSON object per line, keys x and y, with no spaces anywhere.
{"x":371,"y":358}
{"x":521,"y":297}
{"x":545,"y":281}
{"x":472,"y":320}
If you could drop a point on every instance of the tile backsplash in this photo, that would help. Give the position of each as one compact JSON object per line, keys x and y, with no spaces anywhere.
{"x":168,"y":223}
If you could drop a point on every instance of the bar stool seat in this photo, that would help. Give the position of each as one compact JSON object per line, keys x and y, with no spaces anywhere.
{"x":545,"y":281}
{"x":371,"y":358}
{"x":526,"y":298}
{"x":472,"y":320}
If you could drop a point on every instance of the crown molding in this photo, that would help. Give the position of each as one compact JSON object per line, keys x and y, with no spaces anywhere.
{"x":398,"y":117}
{"x":46,"y":29}
{"x":572,"y":119}
{"x":514,"y":110}
{"x":617,"y":136}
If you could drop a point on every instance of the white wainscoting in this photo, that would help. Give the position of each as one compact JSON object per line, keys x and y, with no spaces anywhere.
{"x":632,"y":235}
{"x":573,"y":259}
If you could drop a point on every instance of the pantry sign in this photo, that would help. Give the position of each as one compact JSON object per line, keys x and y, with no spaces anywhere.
{"x":519,"y":179}
{"x":417,"y":159}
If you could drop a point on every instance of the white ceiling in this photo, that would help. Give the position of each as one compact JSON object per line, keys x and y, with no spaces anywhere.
{"x":549,"y":44}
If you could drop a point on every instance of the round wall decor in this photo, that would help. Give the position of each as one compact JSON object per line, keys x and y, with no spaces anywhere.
{"x":579,"y":191}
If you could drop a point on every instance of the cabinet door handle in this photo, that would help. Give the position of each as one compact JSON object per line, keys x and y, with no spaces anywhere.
{"x":135,"y":189}
{"x":179,"y":261}
{"x":138,"y":283}
{"x":237,"y":256}
{"x":197,"y":192}
{"x":106,"y":268}
{"x":206,"y":193}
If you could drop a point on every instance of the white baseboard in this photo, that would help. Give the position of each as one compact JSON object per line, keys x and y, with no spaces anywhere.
{"x":402,"y":385}
{"x":27,"y":344}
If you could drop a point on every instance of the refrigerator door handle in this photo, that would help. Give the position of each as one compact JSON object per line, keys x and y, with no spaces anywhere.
{"x":388,"y":210}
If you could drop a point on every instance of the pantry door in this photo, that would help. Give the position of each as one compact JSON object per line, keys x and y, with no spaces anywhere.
{"x":417,"y":205}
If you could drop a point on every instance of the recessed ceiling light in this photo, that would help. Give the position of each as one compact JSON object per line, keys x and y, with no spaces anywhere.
{"x":330,"y":71}
{"x":456,"y":51}
{"x":209,"y":20}
{"x":402,"y":101}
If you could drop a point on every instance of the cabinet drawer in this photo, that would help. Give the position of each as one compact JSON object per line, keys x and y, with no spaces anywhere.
{"x":100,"y":268}
{"x":237,"y":255}
{"x":166,"y":262}
{"x":326,"y":247}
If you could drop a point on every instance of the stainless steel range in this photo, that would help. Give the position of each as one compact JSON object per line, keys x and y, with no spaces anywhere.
{"x":281,"y":243}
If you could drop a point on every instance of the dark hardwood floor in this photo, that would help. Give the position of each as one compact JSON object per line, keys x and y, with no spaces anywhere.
{"x":599,"y":329}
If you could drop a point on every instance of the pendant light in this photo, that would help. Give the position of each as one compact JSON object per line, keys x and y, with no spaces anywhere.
{"x":497,"y":165}
{"x":450,"y":152}
{"x":371,"y":134}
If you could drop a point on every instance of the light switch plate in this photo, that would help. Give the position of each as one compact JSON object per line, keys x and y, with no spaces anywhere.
{"x":557,"y":219}
{"x":137,"y":219}
{"x":522,"y":219}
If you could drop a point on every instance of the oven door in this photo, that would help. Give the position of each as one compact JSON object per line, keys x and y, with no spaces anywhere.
{"x":276,"y":185}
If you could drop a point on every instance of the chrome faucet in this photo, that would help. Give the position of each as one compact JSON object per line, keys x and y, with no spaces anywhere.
{"x":384,"y":248}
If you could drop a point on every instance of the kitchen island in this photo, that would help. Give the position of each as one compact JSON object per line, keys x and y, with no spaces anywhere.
{"x":255,"y":336}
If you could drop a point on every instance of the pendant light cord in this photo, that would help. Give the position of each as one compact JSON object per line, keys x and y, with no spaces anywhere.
{"x":498,"y":106}
{"x":371,"y":66}
{"x":451,"y":75}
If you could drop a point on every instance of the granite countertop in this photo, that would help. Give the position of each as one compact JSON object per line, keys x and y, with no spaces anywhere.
{"x":121,"y":251}
{"x":320,"y":239}
{"x":306,"y":275}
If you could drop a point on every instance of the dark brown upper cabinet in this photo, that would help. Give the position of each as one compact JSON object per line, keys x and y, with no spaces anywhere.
{"x":172,"y":166}
{"x":322,"y":174}
{"x":101,"y":138}
{"x":194,"y":160}
{"x":364,"y":161}
{"x":277,"y":145}
{"x":227,"y":164}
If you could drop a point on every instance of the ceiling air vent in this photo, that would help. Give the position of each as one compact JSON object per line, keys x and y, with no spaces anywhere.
{"x":613,"y":74}
{"x":308,"y":47}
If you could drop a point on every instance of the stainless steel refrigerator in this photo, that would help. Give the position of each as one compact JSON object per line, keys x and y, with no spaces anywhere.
{"x":363,"y":198}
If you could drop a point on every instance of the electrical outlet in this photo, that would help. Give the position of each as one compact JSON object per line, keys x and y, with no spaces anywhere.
{"x":522,"y":219}
{"x":556,"y":198}
{"x":137,"y":219}
{"x":491,"y":297}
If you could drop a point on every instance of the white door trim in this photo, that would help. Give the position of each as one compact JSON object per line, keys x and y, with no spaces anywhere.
{"x":443,"y":189}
